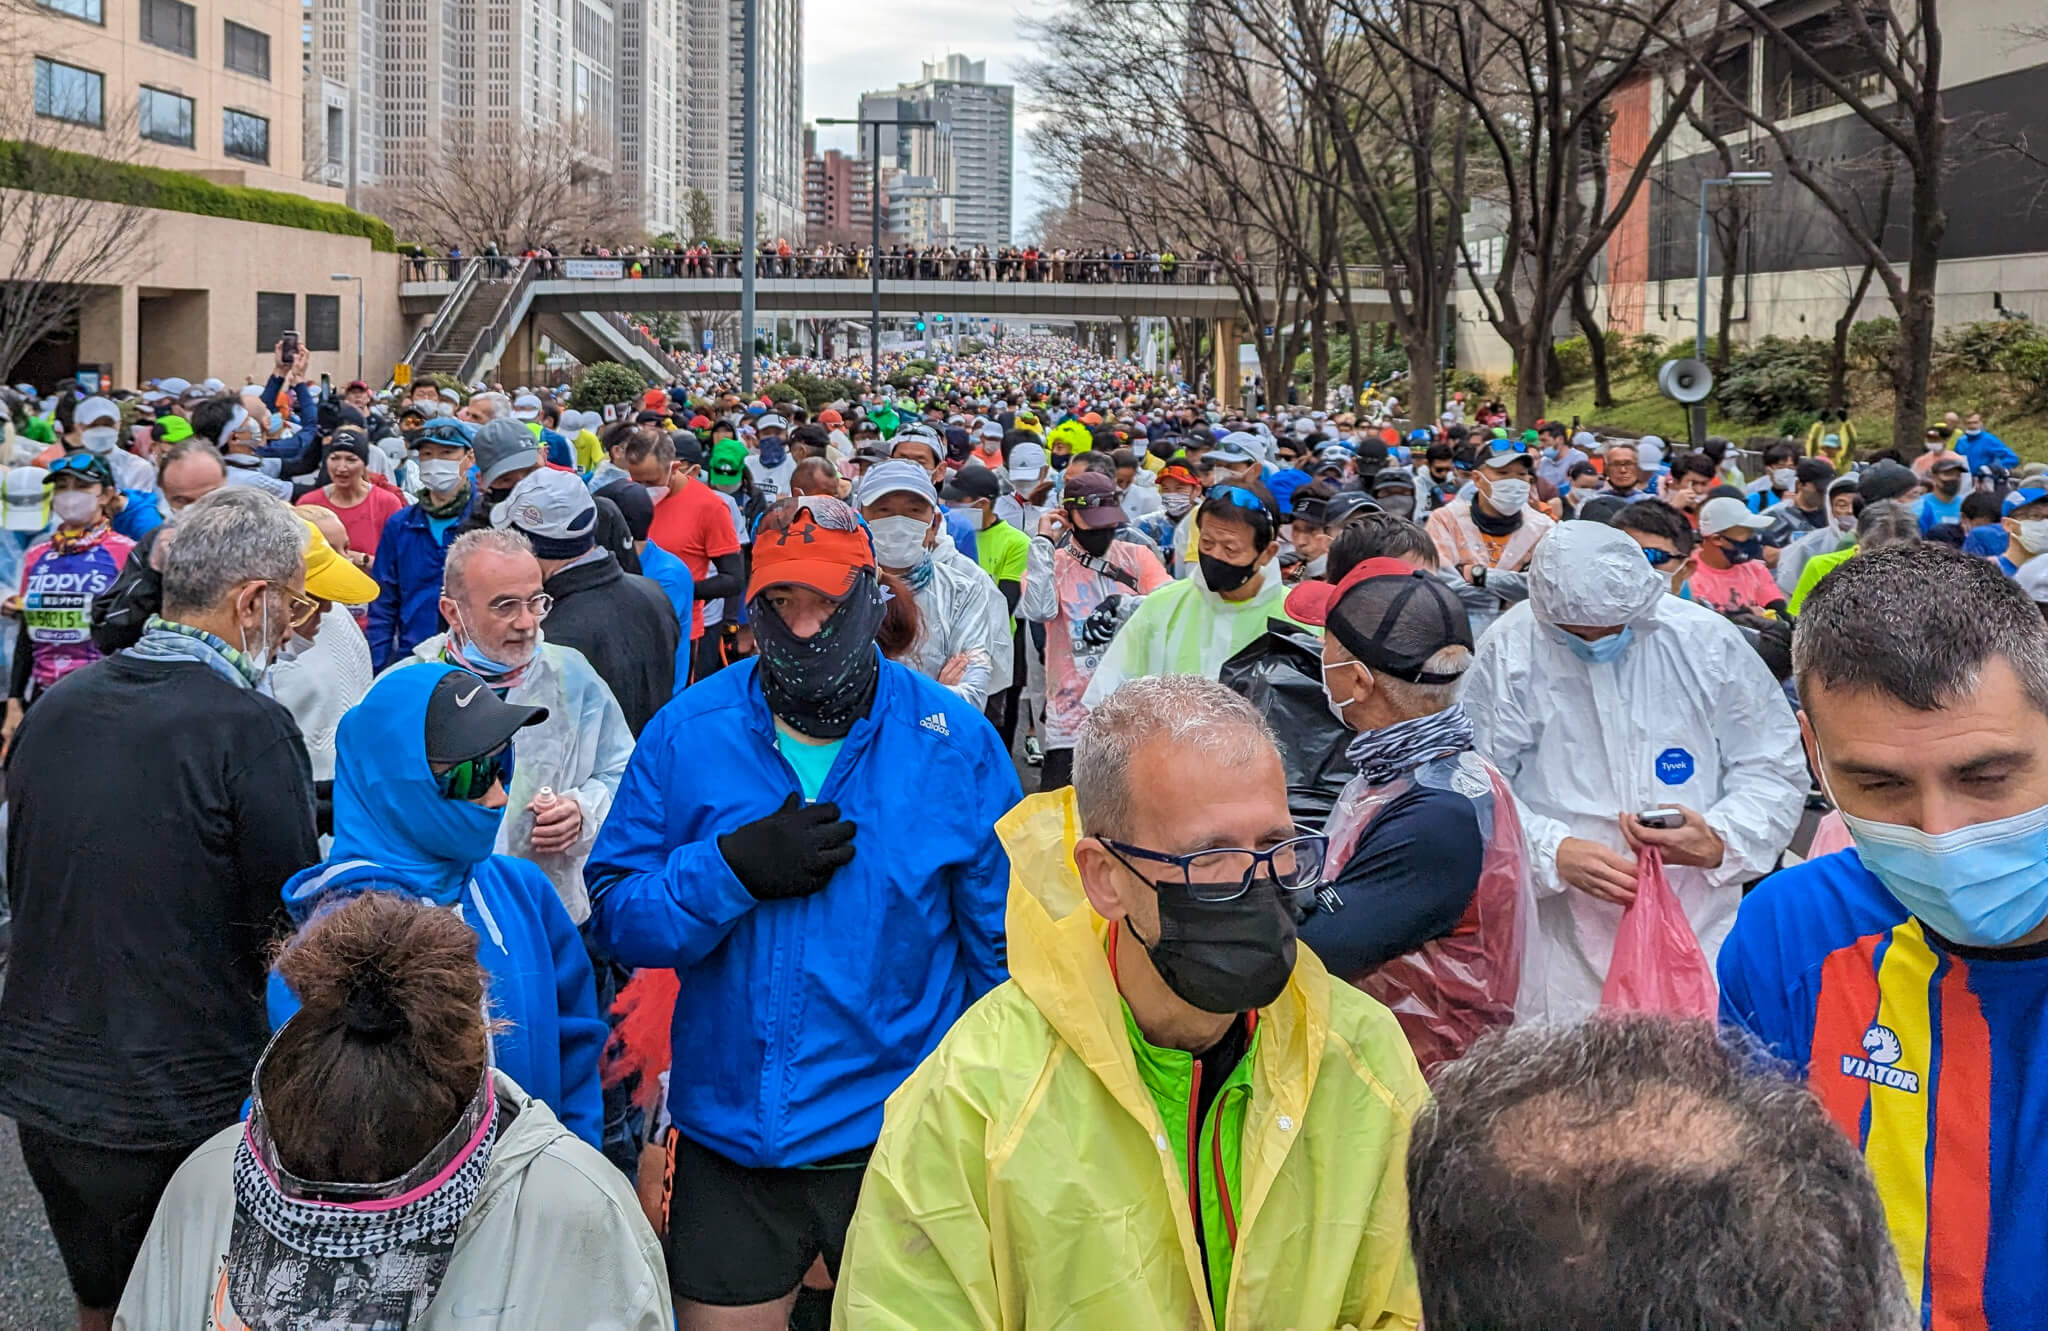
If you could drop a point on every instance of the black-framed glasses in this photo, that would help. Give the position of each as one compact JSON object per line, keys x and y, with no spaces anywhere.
{"x":1226,"y":873}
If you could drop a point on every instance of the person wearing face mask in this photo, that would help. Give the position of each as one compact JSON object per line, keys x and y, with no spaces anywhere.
{"x":62,"y":579}
{"x":1779,"y":475}
{"x":1907,"y":978}
{"x":1731,"y":576}
{"x":622,"y":623}
{"x":1844,"y":503}
{"x":769,"y":464}
{"x":1426,"y":901}
{"x":415,"y":543}
{"x":1180,"y":494}
{"x":1558,"y":456}
{"x":1004,"y":553}
{"x":964,"y":639}
{"x":1082,"y":583}
{"x":1308,"y":528}
{"x":699,"y":525}
{"x":920,"y":444}
{"x":144,"y":887}
{"x":1498,"y":528}
{"x":96,"y":428}
{"x":1803,"y":509}
{"x":422,"y":769}
{"x":1601,"y":696}
{"x":1943,"y":501}
{"x":1168,"y":1055}
{"x":1981,"y":448}
{"x":2026,"y":526}
{"x":823,"y":936}
{"x":1668,"y":540}
{"x":1194,"y":625}
{"x":323,"y":668}
{"x":1393,"y":489}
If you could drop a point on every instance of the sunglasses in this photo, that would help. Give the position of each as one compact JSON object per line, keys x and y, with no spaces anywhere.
{"x":1658,"y":558}
{"x":472,"y":778}
{"x":87,"y":464}
{"x":1238,"y":496}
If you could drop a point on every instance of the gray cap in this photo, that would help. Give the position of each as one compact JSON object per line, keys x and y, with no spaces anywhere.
{"x":502,"y":446}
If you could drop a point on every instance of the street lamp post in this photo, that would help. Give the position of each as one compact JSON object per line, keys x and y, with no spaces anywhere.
{"x":750,"y":241}
{"x":351,"y":277}
{"x":875,"y":233}
{"x":1733,"y":180}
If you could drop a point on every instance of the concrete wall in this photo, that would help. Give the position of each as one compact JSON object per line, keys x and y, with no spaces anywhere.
{"x":187,"y":304}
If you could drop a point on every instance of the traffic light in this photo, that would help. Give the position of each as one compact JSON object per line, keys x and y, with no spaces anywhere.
{"x":920,"y":325}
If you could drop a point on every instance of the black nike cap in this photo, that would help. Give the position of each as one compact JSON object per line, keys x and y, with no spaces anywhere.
{"x":467,"y":719}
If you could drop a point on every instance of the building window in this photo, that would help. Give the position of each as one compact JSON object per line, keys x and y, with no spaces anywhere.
{"x":323,"y":323}
{"x":89,"y":10}
{"x":247,"y":50}
{"x":171,"y":24}
{"x":337,"y":123}
{"x":66,"y":92}
{"x":245,"y":136}
{"x":275,"y":312}
{"x":164,"y":117}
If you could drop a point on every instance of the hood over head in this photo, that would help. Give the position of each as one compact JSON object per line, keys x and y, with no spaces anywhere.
{"x":1590,"y":576}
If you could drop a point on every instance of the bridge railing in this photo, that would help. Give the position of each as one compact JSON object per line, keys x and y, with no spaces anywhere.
{"x":1091,"y":270}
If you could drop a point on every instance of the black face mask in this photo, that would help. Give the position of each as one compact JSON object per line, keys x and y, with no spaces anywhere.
{"x":1224,"y":956}
{"x":1060,"y":461}
{"x":822,"y":684}
{"x":1095,"y":542}
{"x":1223,"y":577}
{"x":1742,"y":552}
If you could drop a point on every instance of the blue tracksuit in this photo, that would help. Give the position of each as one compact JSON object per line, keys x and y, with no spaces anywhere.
{"x":410,"y":556}
{"x":395,"y":832}
{"x":796,"y":1019}
{"x":1985,"y":449}
{"x":672,"y":575}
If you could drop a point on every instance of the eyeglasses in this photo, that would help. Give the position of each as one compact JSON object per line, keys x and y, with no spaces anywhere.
{"x":1226,"y":874}
{"x":1658,"y":558}
{"x":508,"y":607}
{"x":472,"y":778}
{"x":302,"y":608}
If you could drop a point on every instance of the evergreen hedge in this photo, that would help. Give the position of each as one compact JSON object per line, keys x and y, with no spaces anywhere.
{"x":29,"y":166}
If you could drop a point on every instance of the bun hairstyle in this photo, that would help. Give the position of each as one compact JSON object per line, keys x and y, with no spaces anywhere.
{"x":389,"y":1043}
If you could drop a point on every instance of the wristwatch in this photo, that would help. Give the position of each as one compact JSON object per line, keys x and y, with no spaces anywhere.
{"x":1479,"y":575}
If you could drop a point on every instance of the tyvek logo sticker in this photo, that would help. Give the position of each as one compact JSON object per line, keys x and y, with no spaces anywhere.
{"x":1674,"y":767}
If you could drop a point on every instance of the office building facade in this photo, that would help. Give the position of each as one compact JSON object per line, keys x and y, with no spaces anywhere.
{"x":967,"y":155}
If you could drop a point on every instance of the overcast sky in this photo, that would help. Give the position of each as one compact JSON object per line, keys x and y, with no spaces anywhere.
{"x":857,"y":46}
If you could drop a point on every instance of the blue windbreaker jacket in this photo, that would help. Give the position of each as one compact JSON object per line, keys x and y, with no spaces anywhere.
{"x":796,"y":1019}
{"x":408,"y":567}
{"x":394,"y":832}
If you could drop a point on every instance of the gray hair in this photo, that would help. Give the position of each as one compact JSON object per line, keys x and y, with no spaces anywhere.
{"x":486,"y":540}
{"x":1886,"y":522}
{"x":227,"y":538}
{"x":1179,"y":709}
{"x":1917,"y":622}
{"x":1413,"y":700}
{"x":1637,"y":1171}
{"x":497,"y":404}
{"x":190,"y":447}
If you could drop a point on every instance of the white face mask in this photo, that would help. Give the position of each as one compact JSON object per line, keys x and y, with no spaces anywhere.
{"x":656,"y":493}
{"x":1509,"y":496}
{"x":2033,"y":536}
{"x":1846,"y":523}
{"x":440,"y":475}
{"x":75,"y":507}
{"x":261,"y":657}
{"x":100,"y":439}
{"x":1784,"y":478}
{"x":899,"y":541}
{"x":1337,"y":708}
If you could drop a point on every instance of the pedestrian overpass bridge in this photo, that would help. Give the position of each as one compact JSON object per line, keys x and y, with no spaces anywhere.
{"x":490,"y":313}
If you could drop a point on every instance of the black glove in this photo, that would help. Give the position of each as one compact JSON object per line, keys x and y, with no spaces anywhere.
{"x":793,"y":852}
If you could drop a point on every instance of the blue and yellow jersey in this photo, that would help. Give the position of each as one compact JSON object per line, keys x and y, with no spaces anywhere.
{"x":1932,"y":1057}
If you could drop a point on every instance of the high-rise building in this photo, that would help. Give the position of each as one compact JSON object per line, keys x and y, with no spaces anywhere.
{"x":779,"y":87}
{"x":650,"y":120}
{"x":967,"y":156}
{"x":837,"y":207}
{"x":404,"y":82}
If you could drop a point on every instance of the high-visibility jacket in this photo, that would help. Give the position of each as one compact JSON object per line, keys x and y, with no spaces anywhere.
{"x":1026,"y":1178}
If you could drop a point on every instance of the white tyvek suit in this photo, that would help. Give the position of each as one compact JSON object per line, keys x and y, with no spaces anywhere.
{"x":580,"y":752}
{"x":1688,"y":715}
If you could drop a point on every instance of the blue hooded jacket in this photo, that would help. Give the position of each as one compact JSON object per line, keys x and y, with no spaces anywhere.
{"x":410,"y":557}
{"x":395,"y":832}
{"x":796,"y":1019}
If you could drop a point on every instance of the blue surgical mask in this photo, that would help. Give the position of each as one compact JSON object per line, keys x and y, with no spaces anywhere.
{"x":1981,"y":886}
{"x":1602,"y":651}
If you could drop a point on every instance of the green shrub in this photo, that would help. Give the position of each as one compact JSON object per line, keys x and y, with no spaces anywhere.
{"x":1573,"y":358}
{"x":911,"y":373}
{"x":30,"y":166}
{"x":1873,"y":344}
{"x":1976,"y":347}
{"x":605,"y":383}
{"x":1641,"y":354}
{"x":2026,"y":361}
{"x":1470,"y":383}
{"x":1772,"y":378}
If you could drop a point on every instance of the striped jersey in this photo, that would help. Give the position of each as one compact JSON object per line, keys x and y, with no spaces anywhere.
{"x":1932,"y":1057}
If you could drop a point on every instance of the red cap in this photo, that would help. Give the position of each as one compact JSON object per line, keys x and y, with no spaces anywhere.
{"x":817,"y":543}
{"x":700,"y":422}
{"x":653,"y":400}
{"x":1310,"y":602}
{"x":1177,"y":472}
{"x":830,"y":417}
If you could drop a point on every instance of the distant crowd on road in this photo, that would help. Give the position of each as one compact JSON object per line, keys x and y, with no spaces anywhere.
{"x":929,"y":263}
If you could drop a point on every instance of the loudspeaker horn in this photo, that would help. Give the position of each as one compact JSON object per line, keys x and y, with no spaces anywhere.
{"x":1685,"y":380}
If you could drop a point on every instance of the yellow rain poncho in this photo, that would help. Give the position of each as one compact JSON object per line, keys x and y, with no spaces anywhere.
{"x":1025,"y":1177}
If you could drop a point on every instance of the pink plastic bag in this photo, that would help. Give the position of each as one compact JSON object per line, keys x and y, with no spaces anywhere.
{"x":1658,"y":965}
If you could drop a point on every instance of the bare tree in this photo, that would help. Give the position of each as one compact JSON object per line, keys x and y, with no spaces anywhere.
{"x":511,"y":185}
{"x":64,"y":227}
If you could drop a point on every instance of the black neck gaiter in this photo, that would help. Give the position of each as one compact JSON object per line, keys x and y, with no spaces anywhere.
{"x":822,"y":684}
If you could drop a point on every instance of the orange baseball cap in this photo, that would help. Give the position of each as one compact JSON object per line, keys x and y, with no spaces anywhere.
{"x":830,"y":417}
{"x":654,"y":400}
{"x":814,"y":542}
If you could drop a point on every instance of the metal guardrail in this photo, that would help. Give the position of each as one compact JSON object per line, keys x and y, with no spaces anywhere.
{"x":640,"y":339}
{"x":491,"y":334}
{"x":894,"y":268}
{"x":429,"y":337}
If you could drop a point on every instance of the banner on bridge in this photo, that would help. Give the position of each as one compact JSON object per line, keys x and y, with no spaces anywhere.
{"x":589,"y":269}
